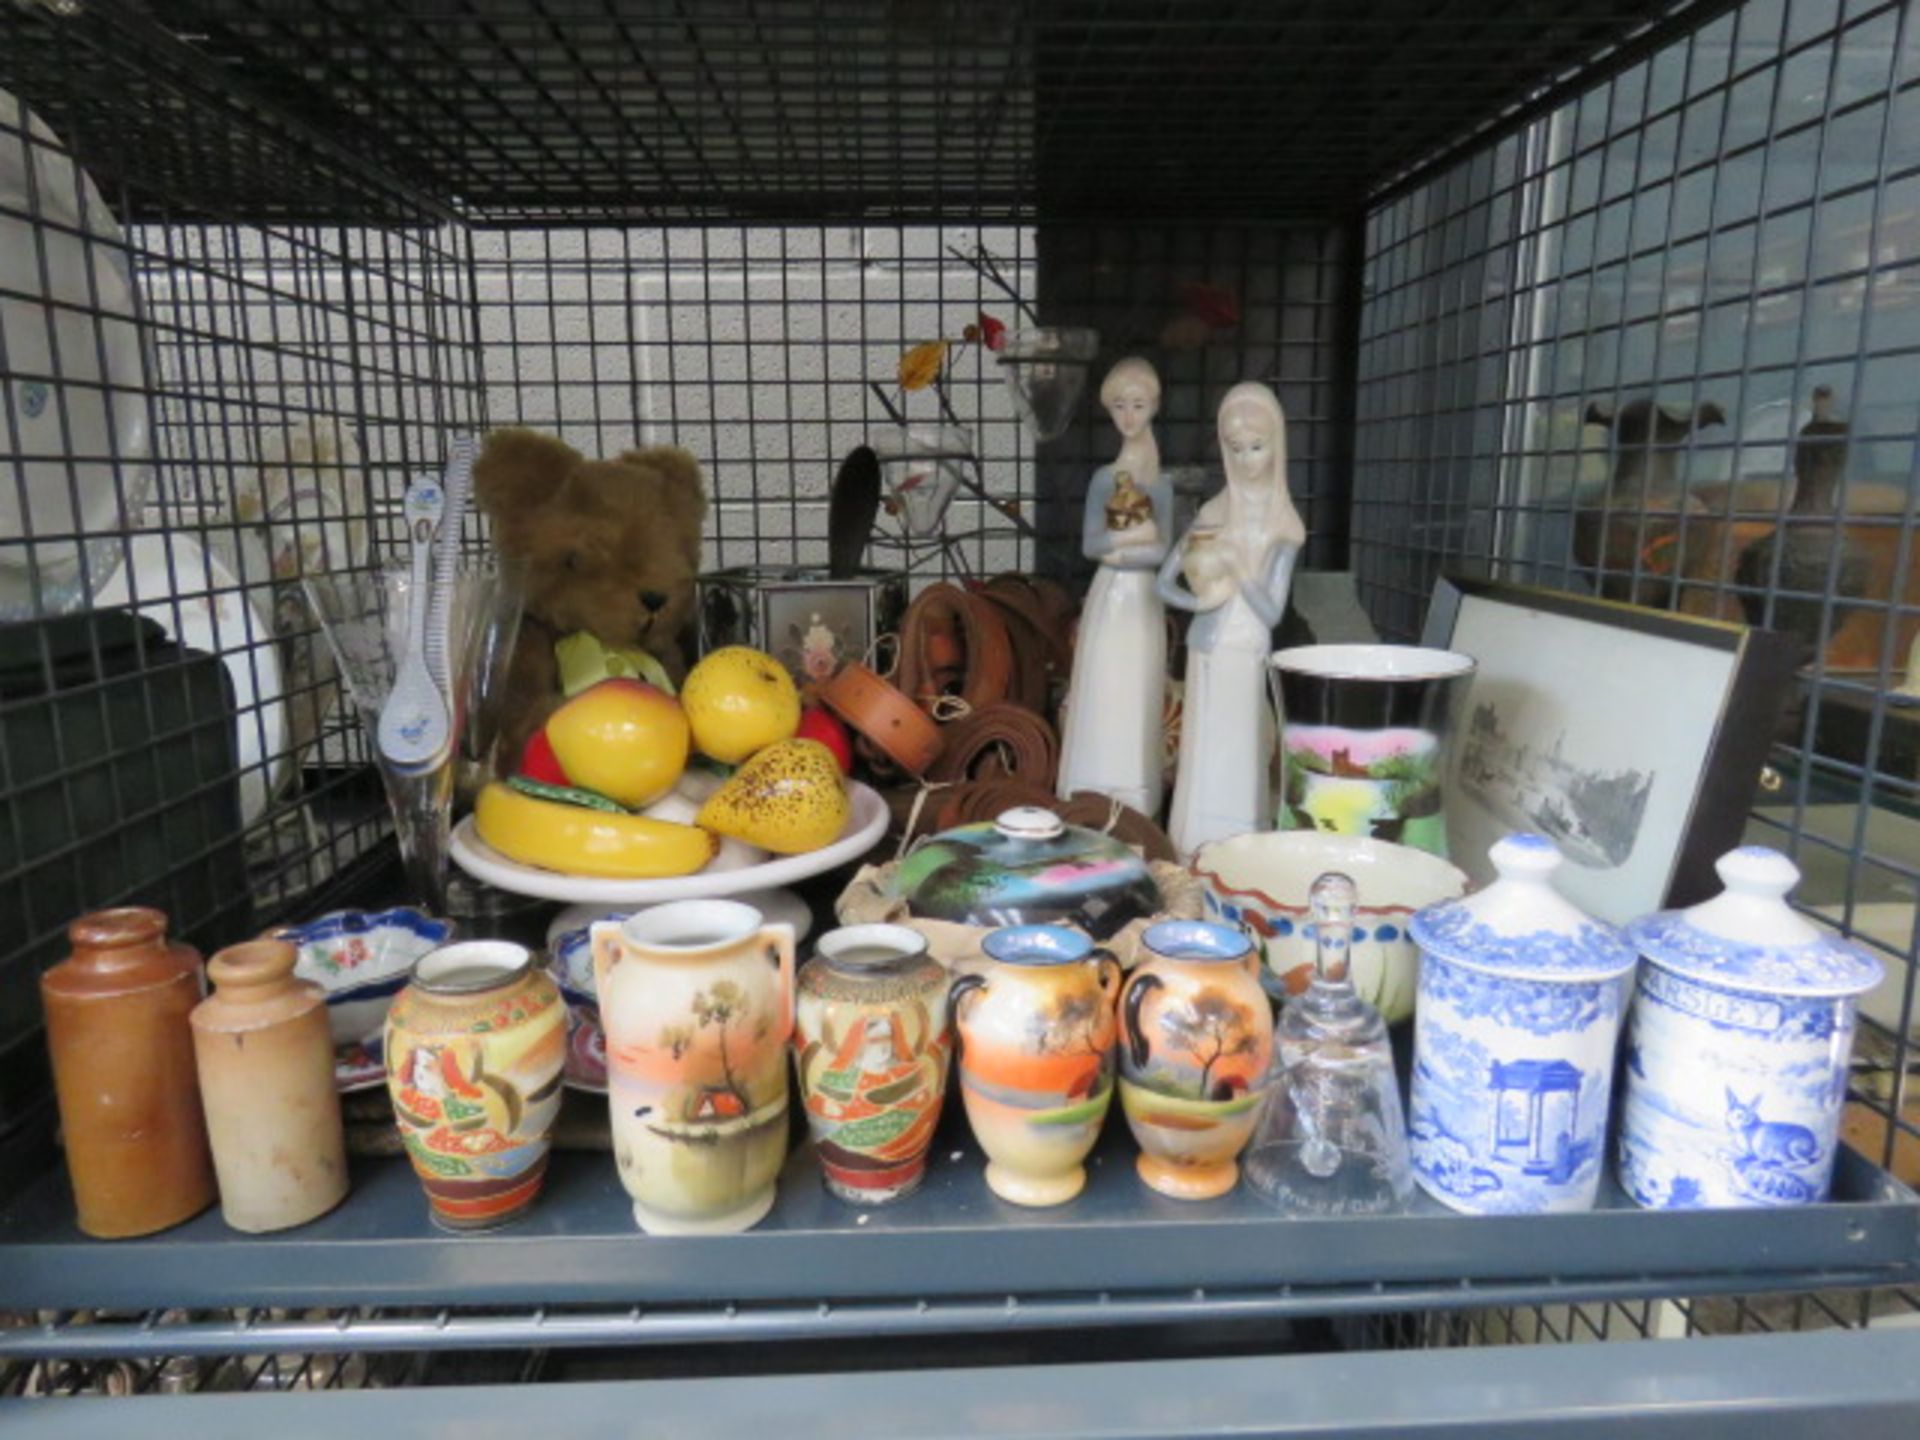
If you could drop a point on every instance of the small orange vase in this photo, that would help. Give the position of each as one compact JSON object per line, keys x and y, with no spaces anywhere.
{"x":1037,"y":1034}
{"x":122,"y":1047}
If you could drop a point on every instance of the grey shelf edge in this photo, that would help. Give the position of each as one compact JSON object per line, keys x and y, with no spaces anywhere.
{"x":951,"y":1240}
{"x":1865,"y":1386}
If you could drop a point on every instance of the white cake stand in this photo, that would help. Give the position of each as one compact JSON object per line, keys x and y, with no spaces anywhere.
{"x":864,"y":828}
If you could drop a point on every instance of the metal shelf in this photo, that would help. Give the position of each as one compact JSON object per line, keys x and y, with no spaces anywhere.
{"x":1789,"y":1386}
{"x":1117,"y":1245}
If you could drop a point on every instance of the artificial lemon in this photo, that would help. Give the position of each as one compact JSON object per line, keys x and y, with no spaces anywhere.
{"x":789,"y":798}
{"x":580,"y":841}
{"x":739,"y":700}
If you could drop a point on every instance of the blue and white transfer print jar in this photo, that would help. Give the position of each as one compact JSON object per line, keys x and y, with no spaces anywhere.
{"x":1521,"y":996}
{"x":1738,"y":1045}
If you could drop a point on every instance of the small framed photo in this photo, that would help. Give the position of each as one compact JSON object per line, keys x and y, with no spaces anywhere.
{"x":1633,"y":738}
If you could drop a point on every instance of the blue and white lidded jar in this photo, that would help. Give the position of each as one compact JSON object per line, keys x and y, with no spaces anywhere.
{"x":1521,"y":995}
{"x":1738,"y":1044}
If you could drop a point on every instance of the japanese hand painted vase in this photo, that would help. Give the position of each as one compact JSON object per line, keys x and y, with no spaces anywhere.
{"x":475,"y":1047}
{"x":1196,"y":1038}
{"x":1363,"y":738}
{"x":1737,"y":1046}
{"x":696,"y":999}
{"x":1036,"y":1035}
{"x":1521,"y":996}
{"x":870,"y":1034}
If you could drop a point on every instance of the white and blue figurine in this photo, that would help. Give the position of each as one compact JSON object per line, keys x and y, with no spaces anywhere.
{"x":1520,"y":1003}
{"x":1737,"y":1046}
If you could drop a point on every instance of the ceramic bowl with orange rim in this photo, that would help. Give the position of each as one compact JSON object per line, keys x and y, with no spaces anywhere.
{"x":1260,"y":883}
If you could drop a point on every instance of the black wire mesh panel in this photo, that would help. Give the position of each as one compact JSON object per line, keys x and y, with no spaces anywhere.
{"x":194,"y":413}
{"x":1208,"y":306}
{"x":770,"y":352}
{"x":1660,"y":345}
{"x":805,"y":110}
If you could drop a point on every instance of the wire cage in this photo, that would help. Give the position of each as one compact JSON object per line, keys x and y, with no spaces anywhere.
{"x":259,"y":260}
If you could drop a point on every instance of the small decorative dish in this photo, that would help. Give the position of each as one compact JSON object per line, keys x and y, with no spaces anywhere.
{"x":571,"y":967}
{"x":362,"y":959}
{"x":1260,"y":883}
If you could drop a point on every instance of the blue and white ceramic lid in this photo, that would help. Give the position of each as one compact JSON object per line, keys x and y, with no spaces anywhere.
{"x":1520,"y":926}
{"x":1748,"y":938}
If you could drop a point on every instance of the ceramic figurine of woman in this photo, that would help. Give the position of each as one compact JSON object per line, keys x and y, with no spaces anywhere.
{"x":1113,"y":742}
{"x":1223,"y":784}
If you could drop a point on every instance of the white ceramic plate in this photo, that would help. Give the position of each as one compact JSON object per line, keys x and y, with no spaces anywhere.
{"x":75,"y":320}
{"x":480,"y":860}
{"x":219,"y":618}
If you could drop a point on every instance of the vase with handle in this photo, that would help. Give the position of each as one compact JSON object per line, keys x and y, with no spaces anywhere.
{"x":1196,"y":1038}
{"x":1036,"y":1033}
{"x":696,"y":1000}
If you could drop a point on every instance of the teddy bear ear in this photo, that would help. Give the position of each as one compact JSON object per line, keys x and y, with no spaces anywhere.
{"x":518,"y":469}
{"x":680,"y":493}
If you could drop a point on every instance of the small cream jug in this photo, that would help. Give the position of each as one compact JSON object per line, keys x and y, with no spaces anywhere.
{"x":696,"y":998}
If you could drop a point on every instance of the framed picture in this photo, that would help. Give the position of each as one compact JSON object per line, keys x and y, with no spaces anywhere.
{"x":1633,"y":738}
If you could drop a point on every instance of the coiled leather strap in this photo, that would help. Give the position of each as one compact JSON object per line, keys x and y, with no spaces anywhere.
{"x":954,"y":642}
{"x":892,"y":732}
{"x":999,"y":742}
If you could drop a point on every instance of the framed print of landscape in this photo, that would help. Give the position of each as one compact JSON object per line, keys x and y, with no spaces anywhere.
{"x":1632,"y":738}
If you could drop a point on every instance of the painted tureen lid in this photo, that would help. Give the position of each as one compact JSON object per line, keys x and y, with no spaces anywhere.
{"x":1028,"y":866}
{"x":1520,"y":926}
{"x":1748,"y":938}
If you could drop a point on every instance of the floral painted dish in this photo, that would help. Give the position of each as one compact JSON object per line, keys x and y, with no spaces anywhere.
{"x":1260,"y":882}
{"x":362,"y":959}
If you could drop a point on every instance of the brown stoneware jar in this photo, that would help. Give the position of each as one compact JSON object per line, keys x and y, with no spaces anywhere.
{"x":266,"y":1079}
{"x":122,"y":1050}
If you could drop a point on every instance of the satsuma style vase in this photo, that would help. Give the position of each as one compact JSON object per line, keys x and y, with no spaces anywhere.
{"x":696,"y":999}
{"x":1196,"y":1038}
{"x":870,"y":1031}
{"x":1036,"y":1044}
{"x":475,"y":1046}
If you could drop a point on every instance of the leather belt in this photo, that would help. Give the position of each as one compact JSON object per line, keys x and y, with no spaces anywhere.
{"x":1042,"y":653}
{"x":999,"y":742}
{"x":954,"y":642}
{"x":891,"y":732}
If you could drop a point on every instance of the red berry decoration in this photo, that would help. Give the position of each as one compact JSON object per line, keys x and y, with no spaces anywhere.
{"x":538,"y":762}
{"x":818,"y":724}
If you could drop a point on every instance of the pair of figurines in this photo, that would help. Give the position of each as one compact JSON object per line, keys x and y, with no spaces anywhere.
{"x":1232,"y":570}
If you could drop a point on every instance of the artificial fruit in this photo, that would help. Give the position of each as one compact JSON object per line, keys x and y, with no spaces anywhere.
{"x":580,"y":841}
{"x":739,"y":700}
{"x":623,"y":738}
{"x":789,"y":798}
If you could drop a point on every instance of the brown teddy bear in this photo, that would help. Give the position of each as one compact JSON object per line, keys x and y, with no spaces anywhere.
{"x":611,"y":547}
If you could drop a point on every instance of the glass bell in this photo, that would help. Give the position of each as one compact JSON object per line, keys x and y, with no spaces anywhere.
{"x":1333,"y":1139}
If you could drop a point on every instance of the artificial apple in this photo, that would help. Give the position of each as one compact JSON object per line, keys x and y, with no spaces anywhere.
{"x":624,"y":738}
{"x":538,"y":762}
{"x":824,"y":726}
